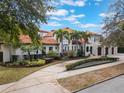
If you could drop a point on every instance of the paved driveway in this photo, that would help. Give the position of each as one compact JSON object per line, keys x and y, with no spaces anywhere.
{"x":112,"y":86}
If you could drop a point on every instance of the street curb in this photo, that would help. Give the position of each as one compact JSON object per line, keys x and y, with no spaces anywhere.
{"x":98,"y":83}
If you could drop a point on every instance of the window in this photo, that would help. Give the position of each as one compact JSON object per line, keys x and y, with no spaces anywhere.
{"x":112,"y":50}
{"x":87,"y":49}
{"x":65,"y":48}
{"x":75,"y":48}
{"x":56,"y":48}
{"x":82,"y":48}
{"x":94,"y":39}
{"x":50,"y":48}
{"x":44,"y":48}
{"x":91,"y":49}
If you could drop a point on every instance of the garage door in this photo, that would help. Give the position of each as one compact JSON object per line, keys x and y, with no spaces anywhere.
{"x":121,"y":50}
{"x":1,"y":56}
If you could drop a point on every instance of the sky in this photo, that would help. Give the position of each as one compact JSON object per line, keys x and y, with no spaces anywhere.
{"x":79,"y":15}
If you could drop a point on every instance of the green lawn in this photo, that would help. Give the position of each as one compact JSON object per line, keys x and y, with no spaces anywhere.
{"x":9,"y":74}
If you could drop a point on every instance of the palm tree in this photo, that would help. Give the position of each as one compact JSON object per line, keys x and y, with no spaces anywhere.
{"x":60,"y":34}
{"x":69,"y":36}
{"x":85,"y":36}
{"x":76,"y":35}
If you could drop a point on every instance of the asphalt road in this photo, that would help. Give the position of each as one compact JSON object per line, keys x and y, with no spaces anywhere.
{"x":115,"y":85}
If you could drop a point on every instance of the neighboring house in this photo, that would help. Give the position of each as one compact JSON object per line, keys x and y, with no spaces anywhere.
{"x":93,"y":46}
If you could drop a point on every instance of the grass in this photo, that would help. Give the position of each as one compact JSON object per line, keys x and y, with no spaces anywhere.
{"x":81,"y":81}
{"x":12,"y":74}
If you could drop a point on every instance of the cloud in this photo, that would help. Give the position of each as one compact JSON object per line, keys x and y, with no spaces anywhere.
{"x":88,"y":25}
{"x":78,"y":16}
{"x":106,"y":14}
{"x":73,"y":17}
{"x":54,"y":24}
{"x":79,"y":3}
{"x":59,"y":12}
{"x":70,"y":18}
{"x":76,"y":22}
{"x":55,"y":18}
{"x":72,"y":11}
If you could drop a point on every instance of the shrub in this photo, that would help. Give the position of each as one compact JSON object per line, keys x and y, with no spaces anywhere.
{"x":53,"y":54}
{"x":79,"y":53}
{"x":25,"y":63}
{"x":35,"y":63}
{"x":73,"y":65}
{"x":71,"y":54}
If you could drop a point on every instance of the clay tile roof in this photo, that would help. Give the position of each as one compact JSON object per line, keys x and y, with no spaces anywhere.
{"x":25,"y":39}
{"x":92,"y":33}
{"x":68,"y":29}
{"x":81,"y":41}
{"x":50,"y":33}
{"x":49,"y":41}
{"x":43,"y":31}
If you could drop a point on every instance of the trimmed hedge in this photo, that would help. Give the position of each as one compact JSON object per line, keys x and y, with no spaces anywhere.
{"x":53,"y":54}
{"x":35,"y":63}
{"x":73,"y":65}
{"x":25,"y":63}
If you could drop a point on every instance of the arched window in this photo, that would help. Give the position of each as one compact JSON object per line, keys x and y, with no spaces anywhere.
{"x":106,"y":51}
{"x":87,"y":49}
{"x":99,"y":51}
{"x":112,"y":50}
{"x":91,"y":49}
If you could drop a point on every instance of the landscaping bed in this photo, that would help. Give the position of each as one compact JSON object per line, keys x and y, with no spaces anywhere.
{"x":90,"y":62}
{"x":25,"y":63}
{"x":82,"y":81}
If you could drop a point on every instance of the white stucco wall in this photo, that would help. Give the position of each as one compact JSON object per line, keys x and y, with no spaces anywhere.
{"x":6,"y":53}
{"x":54,"y":48}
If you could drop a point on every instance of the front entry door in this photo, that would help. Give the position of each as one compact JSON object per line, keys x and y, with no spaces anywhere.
{"x":99,"y":51}
{"x":112,"y":50}
{"x":106,"y":51}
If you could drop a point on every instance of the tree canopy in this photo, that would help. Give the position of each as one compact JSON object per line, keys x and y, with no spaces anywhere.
{"x":114,"y":24}
{"x":22,"y":17}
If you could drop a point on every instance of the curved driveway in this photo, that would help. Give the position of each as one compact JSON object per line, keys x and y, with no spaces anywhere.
{"x":115,"y":85}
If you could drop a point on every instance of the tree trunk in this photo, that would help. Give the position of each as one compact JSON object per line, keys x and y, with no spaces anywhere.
{"x":62,"y":48}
